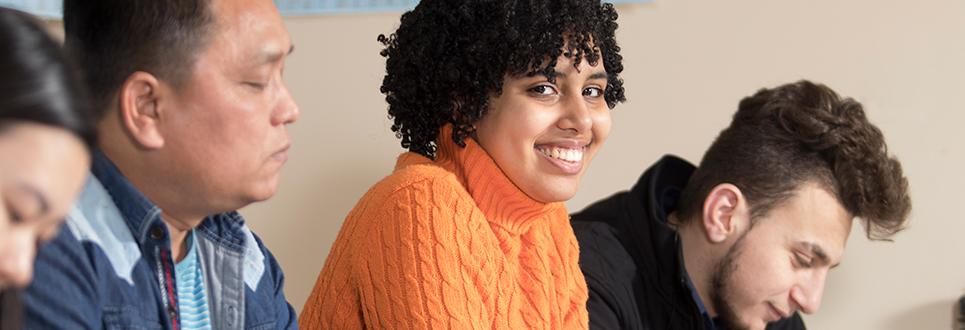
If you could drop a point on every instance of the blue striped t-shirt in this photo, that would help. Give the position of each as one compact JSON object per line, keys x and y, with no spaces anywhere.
{"x":192,"y":300}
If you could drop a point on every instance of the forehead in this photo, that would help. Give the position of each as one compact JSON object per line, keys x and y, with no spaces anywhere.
{"x":47,"y":159}
{"x":811,"y":218}
{"x":247,"y":30}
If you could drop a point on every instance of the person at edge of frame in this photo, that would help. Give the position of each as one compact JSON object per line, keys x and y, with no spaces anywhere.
{"x":192,"y":120}
{"x":746,"y":239}
{"x":46,"y":133}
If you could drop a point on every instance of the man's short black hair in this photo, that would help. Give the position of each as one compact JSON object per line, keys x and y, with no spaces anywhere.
{"x":447,"y":56}
{"x":115,"y":38}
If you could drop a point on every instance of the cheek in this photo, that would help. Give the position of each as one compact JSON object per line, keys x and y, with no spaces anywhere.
{"x":602,"y":124}
{"x":765,"y":274}
{"x":601,"y":129}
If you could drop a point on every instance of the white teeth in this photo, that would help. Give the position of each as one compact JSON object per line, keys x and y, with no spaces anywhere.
{"x":570,"y":155}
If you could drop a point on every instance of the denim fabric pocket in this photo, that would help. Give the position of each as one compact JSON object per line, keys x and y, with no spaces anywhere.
{"x":127,"y":318}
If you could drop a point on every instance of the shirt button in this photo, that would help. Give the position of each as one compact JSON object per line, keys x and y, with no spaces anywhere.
{"x":157,"y":233}
{"x":172,"y":312}
{"x":230,"y":317}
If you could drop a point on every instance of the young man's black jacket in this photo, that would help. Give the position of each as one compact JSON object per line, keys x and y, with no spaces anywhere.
{"x":633,"y":262}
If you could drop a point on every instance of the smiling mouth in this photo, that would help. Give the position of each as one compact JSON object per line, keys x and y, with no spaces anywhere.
{"x":568,"y":155}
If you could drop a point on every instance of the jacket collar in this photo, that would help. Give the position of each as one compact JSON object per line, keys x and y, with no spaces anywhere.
{"x":655,"y":196}
{"x":141,"y":214}
{"x":138,"y":211}
{"x":659,"y":189}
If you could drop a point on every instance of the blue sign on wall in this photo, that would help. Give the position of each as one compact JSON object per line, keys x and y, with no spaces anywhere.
{"x":308,"y":7}
{"x":53,"y":8}
{"x":45,"y":8}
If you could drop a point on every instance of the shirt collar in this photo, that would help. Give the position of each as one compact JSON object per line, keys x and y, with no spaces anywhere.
{"x":708,"y":321}
{"x":667,"y":199}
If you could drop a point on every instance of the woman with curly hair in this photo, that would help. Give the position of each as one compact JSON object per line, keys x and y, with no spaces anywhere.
{"x":502,"y":104}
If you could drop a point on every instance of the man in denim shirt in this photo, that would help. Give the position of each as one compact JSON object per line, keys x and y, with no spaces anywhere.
{"x":193,"y":115}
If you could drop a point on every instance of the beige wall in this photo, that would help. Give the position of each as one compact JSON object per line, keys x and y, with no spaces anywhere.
{"x":687,"y":65}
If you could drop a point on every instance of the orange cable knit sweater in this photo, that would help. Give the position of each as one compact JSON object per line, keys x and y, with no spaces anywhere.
{"x":450,"y":244}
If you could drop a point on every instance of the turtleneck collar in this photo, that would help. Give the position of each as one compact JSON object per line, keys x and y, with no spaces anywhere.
{"x":500,"y":200}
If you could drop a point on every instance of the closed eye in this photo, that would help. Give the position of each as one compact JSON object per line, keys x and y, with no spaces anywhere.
{"x":15,"y":216}
{"x":801,"y":261}
{"x":258,"y":86}
{"x":25,"y":202}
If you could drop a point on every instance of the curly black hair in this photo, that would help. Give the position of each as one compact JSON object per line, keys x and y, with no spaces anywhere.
{"x":803,"y":132}
{"x":447,"y":56}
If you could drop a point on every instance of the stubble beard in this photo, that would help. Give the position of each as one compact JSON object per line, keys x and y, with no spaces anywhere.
{"x":720,"y":289}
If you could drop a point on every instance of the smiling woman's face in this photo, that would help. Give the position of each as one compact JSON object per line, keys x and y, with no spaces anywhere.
{"x":543,"y":135}
{"x":42,"y":169}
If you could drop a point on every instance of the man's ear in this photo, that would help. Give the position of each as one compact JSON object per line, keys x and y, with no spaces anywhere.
{"x":139,"y":99}
{"x":725,"y":212}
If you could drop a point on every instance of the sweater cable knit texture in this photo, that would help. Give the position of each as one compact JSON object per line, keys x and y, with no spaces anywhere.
{"x":450,"y":244}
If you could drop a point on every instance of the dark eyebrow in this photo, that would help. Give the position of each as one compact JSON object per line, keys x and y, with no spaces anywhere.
{"x":274,"y":57}
{"x":598,"y":75}
{"x":817,"y":251}
{"x":44,"y":206}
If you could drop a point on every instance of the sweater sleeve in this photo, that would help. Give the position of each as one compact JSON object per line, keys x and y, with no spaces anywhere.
{"x":411,"y":255}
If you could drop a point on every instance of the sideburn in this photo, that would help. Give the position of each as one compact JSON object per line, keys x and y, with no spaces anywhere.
{"x":726,"y":313}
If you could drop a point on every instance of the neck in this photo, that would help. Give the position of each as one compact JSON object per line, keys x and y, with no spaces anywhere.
{"x":178,"y":229}
{"x":134,"y":164}
{"x":699,"y":264}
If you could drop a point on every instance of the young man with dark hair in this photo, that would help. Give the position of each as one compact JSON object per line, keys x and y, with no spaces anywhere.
{"x":192,"y":126}
{"x":746,"y":239}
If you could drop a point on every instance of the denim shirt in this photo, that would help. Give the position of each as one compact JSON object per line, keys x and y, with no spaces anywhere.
{"x":111,"y":267}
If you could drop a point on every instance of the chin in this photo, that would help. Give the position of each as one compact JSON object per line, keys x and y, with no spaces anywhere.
{"x":751,"y":324}
{"x":261,"y":192}
{"x":554,"y":196}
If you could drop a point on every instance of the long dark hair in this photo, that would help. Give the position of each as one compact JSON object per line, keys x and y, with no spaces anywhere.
{"x":11,"y":310}
{"x":37,"y":82}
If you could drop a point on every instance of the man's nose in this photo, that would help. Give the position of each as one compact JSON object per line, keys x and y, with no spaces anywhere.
{"x":287,"y":110}
{"x":807,"y":294}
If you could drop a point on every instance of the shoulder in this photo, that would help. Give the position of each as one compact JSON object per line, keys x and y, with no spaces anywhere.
{"x":414,"y":186}
{"x":610,"y":209}
{"x":602,"y":256}
{"x":95,"y":222}
{"x":78,"y":275}
{"x":404,"y":177}
{"x":417,"y":203}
